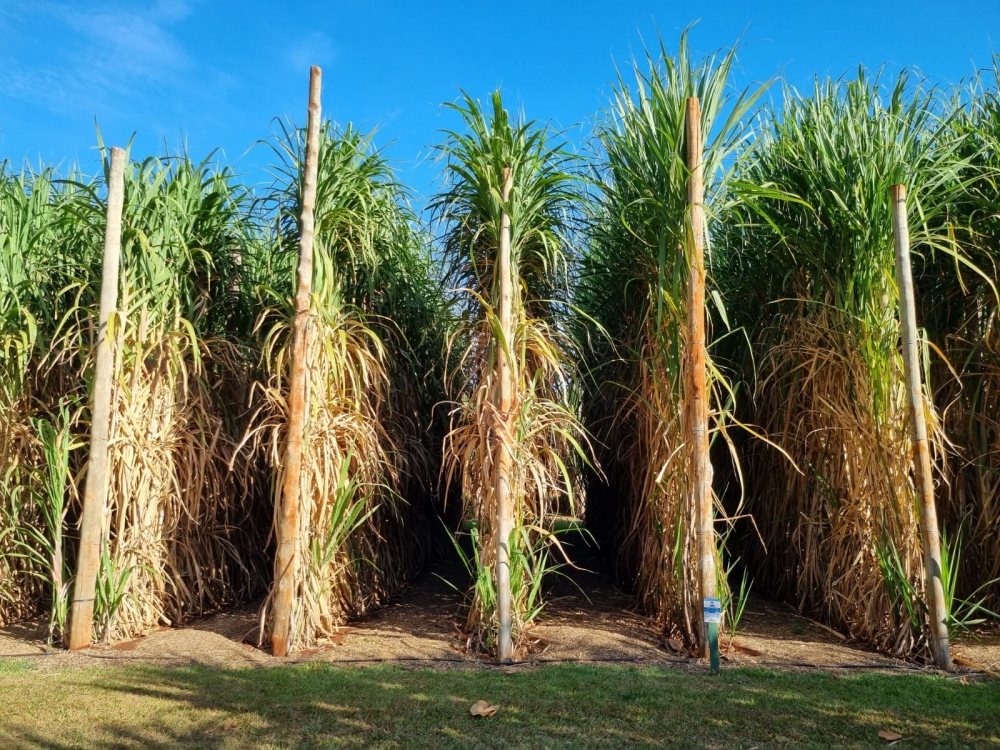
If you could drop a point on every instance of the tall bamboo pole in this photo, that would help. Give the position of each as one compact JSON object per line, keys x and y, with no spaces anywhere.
{"x":936,"y":610}
{"x":505,"y":520}
{"x":95,"y":494}
{"x":286,"y":559}
{"x":697,"y":391}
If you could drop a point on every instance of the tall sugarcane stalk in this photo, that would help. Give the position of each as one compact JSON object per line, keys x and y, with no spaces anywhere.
{"x":697,"y":390}
{"x":936,"y":610}
{"x":505,"y":378}
{"x":96,"y":489}
{"x":286,"y":558}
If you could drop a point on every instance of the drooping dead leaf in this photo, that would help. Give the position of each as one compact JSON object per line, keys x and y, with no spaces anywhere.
{"x":888,"y":736}
{"x":483,"y":708}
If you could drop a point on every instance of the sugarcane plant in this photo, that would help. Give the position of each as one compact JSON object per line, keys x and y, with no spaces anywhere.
{"x":813,"y":282}
{"x":959,"y":307}
{"x":42,"y":238}
{"x":506,"y":217}
{"x":26,"y":211}
{"x":633,"y":292}
{"x":372,"y":319}
{"x":179,"y":537}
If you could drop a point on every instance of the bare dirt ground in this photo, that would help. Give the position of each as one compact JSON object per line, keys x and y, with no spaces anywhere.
{"x":422,"y":627}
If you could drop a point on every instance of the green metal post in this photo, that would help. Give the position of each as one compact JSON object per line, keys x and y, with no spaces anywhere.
{"x":713,"y":644}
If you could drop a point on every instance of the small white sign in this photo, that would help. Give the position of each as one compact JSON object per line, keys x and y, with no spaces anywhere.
{"x":713,"y":610}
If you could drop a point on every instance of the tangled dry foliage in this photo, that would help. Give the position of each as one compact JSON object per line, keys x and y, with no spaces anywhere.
{"x":20,"y":586}
{"x":973,"y":461}
{"x":819,"y":400}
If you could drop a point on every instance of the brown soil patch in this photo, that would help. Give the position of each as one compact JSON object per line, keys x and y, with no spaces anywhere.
{"x":422,"y":627}
{"x":980,"y":647}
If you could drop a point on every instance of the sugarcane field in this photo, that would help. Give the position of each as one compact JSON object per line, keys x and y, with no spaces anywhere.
{"x":392,"y":406}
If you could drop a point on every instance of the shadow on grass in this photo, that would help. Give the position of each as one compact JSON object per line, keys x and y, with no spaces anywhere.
{"x":318,"y":705}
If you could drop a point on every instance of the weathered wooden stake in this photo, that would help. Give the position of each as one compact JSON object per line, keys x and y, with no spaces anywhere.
{"x":286,"y":558}
{"x":505,"y":521}
{"x":697,"y":391}
{"x":95,"y":493}
{"x":936,"y":610}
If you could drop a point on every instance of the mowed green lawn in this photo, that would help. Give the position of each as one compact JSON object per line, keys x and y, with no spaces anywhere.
{"x":562,"y":706}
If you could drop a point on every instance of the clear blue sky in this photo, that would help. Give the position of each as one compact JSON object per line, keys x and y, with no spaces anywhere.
{"x":215,"y":72}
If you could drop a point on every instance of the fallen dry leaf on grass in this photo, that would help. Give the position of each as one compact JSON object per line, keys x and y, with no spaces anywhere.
{"x":483,"y":708}
{"x":888,"y":736}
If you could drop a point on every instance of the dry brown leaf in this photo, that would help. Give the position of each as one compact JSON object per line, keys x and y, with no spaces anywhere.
{"x":973,"y":665}
{"x":888,"y":736}
{"x":483,"y":708}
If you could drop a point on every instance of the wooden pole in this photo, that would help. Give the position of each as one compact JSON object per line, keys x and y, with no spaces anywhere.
{"x":697,"y":392}
{"x":286,"y":558}
{"x":505,"y":521}
{"x":936,"y":610}
{"x":95,"y":493}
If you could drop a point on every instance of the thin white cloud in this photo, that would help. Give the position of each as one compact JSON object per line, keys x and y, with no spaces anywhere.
{"x":315,"y":48}
{"x":93,"y":55}
{"x":172,"y":10}
{"x":129,"y":43}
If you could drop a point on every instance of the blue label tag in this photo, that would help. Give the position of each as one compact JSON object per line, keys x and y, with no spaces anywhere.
{"x":713,"y":610}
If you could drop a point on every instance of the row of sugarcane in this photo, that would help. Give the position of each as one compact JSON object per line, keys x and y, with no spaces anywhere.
{"x":531,"y":354}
